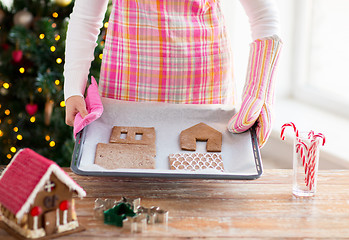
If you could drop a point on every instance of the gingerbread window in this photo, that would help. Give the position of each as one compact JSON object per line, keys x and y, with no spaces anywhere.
{"x":49,"y":186}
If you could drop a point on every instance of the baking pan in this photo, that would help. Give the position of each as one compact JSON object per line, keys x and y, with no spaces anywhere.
{"x":240,"y":152}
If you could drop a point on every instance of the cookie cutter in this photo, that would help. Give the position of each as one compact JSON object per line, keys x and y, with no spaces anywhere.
{"x":102,"y":205}
{"x":154,"y":214}
{"x":136,"y":224}
{"x":134,"y":202}
{"x":144,"y":217}
{"x":117,"y":214}
{"x":128,"y":213}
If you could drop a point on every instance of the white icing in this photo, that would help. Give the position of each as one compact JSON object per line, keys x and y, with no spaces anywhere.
{"x":28,"y":233}
{"x":35,"y":224}
{"x":65,"y":217}
{"x":57,"y":217}
{"x":69,"y":226}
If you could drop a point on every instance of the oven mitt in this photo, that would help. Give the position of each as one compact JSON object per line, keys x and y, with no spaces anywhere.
{"x":94,"y":108}
{"x":258,"y":93}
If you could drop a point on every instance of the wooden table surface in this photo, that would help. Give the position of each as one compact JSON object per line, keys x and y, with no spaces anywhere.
{"x":262,"y":208}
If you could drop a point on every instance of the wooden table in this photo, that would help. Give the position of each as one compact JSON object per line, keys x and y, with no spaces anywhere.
{"x":262,"y":208}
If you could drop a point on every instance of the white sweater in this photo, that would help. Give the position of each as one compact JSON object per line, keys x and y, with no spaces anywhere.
{"x":87,"y":19}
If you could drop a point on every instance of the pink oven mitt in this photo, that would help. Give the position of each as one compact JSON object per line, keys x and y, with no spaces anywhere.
{"x":94,"y":108}
{"x":258,"y":94}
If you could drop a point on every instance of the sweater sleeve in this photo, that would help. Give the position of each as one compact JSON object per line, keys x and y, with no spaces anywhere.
{"x":83,"y":30}
{"x":263,"y":17}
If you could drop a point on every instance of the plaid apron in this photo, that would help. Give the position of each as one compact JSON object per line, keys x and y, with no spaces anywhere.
{"x":173,"y":51}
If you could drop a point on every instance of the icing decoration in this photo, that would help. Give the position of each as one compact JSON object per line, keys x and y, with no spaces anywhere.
{"x":65,"y":217}
{"x":69,"y":226}
{"x":64,"y":205}
{"x":196,"y":161}
{"x":57,"y":217}
{"x":36,"y":211}
{"x":28,"y":233}
{"x":50,"y":186}
{"x":35,"y":224}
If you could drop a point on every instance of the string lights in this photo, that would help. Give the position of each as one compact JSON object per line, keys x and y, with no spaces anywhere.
{"x":18,"y":122}
{"x":52,"y":144}
{"x":6,"y":85}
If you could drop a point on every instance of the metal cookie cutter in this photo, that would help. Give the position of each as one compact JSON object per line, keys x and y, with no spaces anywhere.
{"x":154,"y":214}
{"x":128,"y":213}
{"x":102,"y":205}
{"x":136,"y":224}
{"x":133,"y":202}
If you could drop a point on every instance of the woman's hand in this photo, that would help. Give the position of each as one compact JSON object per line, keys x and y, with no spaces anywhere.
{"x":74,"y":105}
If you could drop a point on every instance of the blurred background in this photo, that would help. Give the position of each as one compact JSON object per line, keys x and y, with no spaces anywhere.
{"x":32,"y":44}
{"x":311,"y":88}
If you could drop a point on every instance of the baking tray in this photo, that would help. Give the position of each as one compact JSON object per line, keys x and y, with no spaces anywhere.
{"x":240,"y":152}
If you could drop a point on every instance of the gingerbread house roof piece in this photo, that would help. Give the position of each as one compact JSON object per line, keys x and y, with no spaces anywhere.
{"x":25,"y":176}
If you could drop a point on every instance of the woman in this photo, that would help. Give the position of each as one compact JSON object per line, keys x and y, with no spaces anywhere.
{"x":173,"y":51}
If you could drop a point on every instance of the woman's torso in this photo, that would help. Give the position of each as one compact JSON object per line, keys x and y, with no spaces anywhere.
{"x":174,"y":51}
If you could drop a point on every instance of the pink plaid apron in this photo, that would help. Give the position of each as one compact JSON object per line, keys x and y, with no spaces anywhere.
{"x":173,"y":51}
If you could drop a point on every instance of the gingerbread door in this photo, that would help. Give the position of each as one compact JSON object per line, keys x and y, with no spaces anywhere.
{"x":50,"y":222}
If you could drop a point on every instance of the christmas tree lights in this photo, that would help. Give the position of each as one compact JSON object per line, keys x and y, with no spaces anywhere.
{"x":32,"y":108}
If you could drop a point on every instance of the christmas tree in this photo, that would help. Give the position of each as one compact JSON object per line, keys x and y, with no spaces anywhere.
{"x":32,"y":45}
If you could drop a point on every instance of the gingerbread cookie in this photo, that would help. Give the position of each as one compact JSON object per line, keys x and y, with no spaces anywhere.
{"x":128,"y":147}
{"x":196,"y":161}
{"x":133,"y":135}
{"x":112,"y":156}
{"x":201,"y":132}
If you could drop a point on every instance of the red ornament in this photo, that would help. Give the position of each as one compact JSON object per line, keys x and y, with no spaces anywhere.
{"x":64,"y":205}
{"x":17,"y":55}
{"x":36,"y":211}
{"x":31,"y":108}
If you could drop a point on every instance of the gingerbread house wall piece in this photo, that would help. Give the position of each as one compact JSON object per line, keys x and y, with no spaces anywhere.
{"x":36,"y":196}
{"x":201,"y":132}
{"x":133,"y":135}
{"x":128,"y":147}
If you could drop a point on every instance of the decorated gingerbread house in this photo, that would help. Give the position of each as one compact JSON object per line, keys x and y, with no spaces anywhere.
{"x":36,"y":196}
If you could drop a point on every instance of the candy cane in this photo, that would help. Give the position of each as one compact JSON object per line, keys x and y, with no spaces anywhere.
{"x":319,"y":135}
{"x":312,"y":158}
{"x":306,"y":152}
{"x":290,"y":124}
{"x":301,"y":147}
